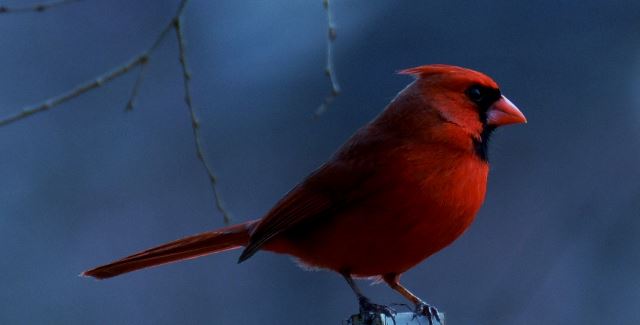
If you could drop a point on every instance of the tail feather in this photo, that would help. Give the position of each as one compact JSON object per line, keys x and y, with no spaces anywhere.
{"x":186,"y":248}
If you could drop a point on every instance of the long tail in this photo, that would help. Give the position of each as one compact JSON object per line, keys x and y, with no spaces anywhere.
{"x":186,"y":248}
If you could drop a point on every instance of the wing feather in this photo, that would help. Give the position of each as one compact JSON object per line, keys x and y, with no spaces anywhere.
{"x":326,"y":191}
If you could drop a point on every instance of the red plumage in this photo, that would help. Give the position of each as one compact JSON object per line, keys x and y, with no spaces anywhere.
{"x":403,"y":187}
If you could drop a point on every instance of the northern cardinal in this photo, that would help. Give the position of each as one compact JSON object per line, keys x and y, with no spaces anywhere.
{"x":403,"y":187}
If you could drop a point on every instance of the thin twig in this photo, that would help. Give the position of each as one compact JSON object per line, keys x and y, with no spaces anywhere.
{"x":36,"y":7}
{"x":73,"y":93}
{"x":139,"y":60}
{"x":147,"y":55}
{"x":195,"y":123}
{"x":329,"y":69}
{"x":136,"y":88}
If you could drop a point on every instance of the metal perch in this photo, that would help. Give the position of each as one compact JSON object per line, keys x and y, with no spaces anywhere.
{"x":406,"y":318}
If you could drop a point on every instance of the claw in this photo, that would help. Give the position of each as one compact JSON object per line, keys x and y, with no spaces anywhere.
{"x":429,"y":311}
{"x":370,"y":311}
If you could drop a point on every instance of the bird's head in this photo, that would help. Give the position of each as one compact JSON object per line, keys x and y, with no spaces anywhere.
{"x":465,"y":97}
{"x":468,"y":99}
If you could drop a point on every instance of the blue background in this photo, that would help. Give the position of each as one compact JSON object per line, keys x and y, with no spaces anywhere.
{"x":556,"y":241}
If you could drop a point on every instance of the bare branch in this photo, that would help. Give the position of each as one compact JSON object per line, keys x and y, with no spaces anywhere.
{"x":195,"y":123}
{"x":142,"y":61}
{"x":329,"y":69}
{"x":73,"y":93}
{"x":139,"y":60}
{"x":37,"y":7}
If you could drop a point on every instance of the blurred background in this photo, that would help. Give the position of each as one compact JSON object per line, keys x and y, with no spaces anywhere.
{"x":556,"y":241}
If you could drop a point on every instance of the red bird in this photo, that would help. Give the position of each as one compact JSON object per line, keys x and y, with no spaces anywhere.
{"x":401,"y":188}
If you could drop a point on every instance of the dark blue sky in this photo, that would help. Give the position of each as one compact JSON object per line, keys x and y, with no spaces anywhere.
{"x":556,"y":241}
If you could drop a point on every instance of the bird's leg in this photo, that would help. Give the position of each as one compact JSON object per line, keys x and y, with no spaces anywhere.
{"x":422,"y":308}
{"x":367,"y":308}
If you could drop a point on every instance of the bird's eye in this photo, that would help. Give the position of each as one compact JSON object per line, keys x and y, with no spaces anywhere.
{"x":476,"y":94}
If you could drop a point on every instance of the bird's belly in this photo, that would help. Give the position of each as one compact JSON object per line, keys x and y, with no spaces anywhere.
{"x":379,"y":238}
{"x":376,"y":247}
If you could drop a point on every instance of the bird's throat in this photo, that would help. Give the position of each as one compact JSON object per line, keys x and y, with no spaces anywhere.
{"x":480,"y":145}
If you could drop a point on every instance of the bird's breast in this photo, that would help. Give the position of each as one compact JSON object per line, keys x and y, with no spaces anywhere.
{"x":447,"y":201}
{"x":421,"y":210}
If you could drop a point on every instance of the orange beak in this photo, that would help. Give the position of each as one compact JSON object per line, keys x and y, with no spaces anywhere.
{"x":504,"y":112}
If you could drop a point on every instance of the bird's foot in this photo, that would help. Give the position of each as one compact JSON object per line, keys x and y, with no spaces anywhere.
{"x":428,"y":311}
{"x":370,"y":311}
